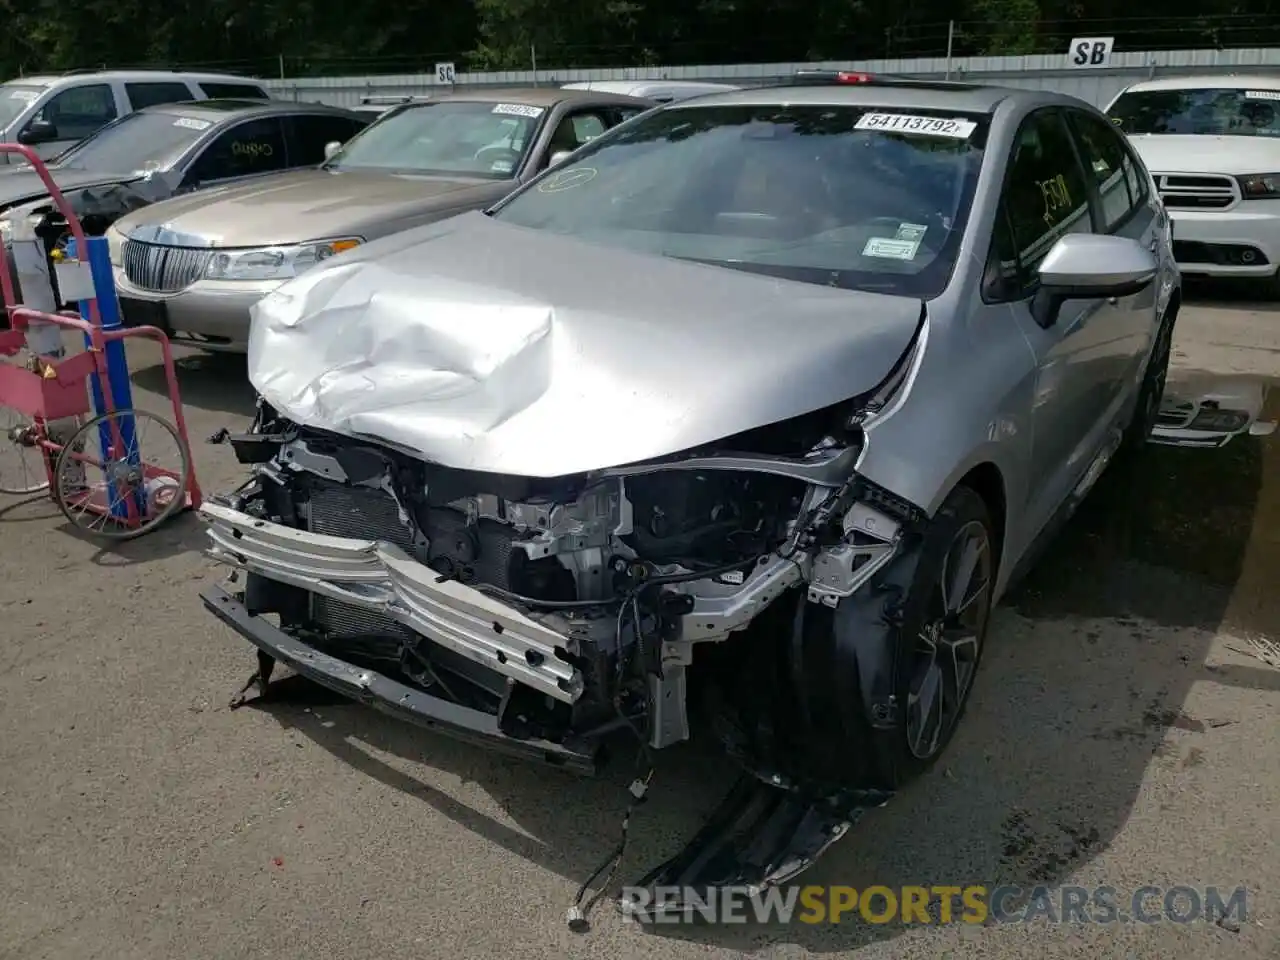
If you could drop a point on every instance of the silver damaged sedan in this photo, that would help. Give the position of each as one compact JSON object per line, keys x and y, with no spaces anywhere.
{"x":739,"y":420}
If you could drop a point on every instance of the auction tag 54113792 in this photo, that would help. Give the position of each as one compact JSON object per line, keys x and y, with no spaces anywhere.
{"x":957,"y":128}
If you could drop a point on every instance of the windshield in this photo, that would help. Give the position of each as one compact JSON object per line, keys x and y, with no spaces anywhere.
{"x":1213,"y":111}
{"x":459,"y":138}
{"x":137,"y":142}
{"x":843,"y":196}
{"x":14,"y":98}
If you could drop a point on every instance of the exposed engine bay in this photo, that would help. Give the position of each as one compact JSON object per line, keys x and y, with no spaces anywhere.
{"x":564,"y":608}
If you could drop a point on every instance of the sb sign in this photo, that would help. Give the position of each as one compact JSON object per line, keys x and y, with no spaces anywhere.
{"x":1090,"y":51}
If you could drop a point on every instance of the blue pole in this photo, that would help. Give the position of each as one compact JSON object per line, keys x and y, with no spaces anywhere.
{"x":104,"y":290}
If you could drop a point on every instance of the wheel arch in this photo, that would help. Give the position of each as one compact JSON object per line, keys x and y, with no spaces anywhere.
{"x":986,"y":480}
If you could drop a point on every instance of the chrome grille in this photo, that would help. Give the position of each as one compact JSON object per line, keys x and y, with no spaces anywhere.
{"x":161,"y":269}
{"x":360,"y":513}
{"x":1197,"y":191}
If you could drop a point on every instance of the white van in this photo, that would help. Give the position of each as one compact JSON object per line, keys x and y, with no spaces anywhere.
{"x":52,"y":113}
{"x":1212,"y":144}
{"x":664,"y":91}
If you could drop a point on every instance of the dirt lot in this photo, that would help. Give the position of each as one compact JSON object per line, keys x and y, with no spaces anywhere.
{"x":1120,"y":735}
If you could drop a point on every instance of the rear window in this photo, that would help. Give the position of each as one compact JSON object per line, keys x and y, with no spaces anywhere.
{"x":137,"y":142}
{"x":233,"y":91}
{"x":856,"y":197}
{"x":1209,"y":111}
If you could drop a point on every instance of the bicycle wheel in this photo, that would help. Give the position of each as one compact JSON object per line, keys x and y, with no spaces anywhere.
{"x":23,"y":464}
{"x":111,"y":459}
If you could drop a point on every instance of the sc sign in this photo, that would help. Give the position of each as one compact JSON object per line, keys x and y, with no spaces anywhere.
{"x":445,"y":73}
{"x":1090,"y":51}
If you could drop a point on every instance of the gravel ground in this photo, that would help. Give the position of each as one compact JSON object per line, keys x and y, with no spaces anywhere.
{"x":1120,"y":734}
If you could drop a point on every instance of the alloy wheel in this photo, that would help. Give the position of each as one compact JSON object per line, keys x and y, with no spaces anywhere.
{"x":947,"y":647}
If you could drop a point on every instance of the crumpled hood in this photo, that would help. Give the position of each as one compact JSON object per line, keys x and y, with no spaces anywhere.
{"x":1186,"y":153}
{"x":21,"y":184}
{"x":496,"y":348}
{"x":313,"y":204}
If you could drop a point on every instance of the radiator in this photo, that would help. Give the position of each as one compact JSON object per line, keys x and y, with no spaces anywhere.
{"x":361,"y":513}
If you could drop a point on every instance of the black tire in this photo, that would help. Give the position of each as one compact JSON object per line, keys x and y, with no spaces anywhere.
{"x":1151,"y":393}
{"x":907,"y":751}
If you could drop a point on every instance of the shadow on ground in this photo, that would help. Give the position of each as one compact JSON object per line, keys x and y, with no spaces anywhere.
{"x":210,"y":381}
{"x":1089,"y":664}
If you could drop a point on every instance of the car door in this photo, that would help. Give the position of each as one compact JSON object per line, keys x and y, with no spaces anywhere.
{"x":74,"y":113}
{"x":1046,"y":196}
{"x":1125,"y":210}
{"x":245,"y":149}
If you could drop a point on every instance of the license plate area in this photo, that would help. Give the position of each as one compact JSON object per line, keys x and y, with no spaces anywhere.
{"x":144,"y":313}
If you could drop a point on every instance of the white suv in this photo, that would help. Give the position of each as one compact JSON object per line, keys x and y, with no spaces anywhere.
{"x":1212,"y":145}
{"x":52,"y":113}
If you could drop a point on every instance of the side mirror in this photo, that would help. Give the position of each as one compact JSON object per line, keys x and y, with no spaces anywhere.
{"x":38,"y":131}
{"x":559,"y":157}
{"x":1089,"y":266}
{"x":330,"y":149}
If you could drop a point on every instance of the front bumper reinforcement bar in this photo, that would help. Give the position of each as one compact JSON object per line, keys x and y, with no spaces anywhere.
{"x":390,"y":696}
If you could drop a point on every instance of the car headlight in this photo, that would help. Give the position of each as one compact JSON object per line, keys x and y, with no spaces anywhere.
{"x":1260,"y":186}
{"x":274,"y":263}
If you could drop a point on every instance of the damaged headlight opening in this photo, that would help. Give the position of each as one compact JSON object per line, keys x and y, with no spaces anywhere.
{"x":275,"y":263}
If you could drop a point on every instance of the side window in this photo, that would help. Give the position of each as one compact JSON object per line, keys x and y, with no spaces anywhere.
{"x":149,"y":94}
{"x":309,"y":133}
{"x":255,"y":146}
{"x":80,"y":111}
{"x":1104,"y":156}
{"x":575,"y":129}
{"x":1045,"y":191}
{"x":233,"y":91}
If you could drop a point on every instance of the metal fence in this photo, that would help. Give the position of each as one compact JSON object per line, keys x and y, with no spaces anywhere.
{"x":1038,"y":71}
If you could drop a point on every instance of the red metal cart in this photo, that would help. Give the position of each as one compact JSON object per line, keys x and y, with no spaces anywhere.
{"x":94,"y":462}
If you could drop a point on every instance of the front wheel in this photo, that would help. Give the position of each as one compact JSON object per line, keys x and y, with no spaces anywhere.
{"x":912,"y":639}
{"x":941,"y":636}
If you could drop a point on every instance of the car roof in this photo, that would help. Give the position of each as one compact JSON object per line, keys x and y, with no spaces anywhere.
{"x":1230,"y":81}
{"x":639,"y":88}
{"x":51,"y":79}
{"x":896,"y":93}
{"x":216,"y":109}
{"x":539,"y":96}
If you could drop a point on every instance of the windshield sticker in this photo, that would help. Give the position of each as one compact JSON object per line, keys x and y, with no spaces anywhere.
{"x":911,"y":231}
{"x":27,"y":95}
{"x":1262,"y":94}
{"x":502,"y":166}
{"x":191,"y":123}
{"x":567,"y":180}
{"x":955,"y":128}
{"x":517,"y":110}
{"x":891,"y":248}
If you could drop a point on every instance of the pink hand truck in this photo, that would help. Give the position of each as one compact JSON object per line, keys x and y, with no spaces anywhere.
{"x":67,"y":421}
